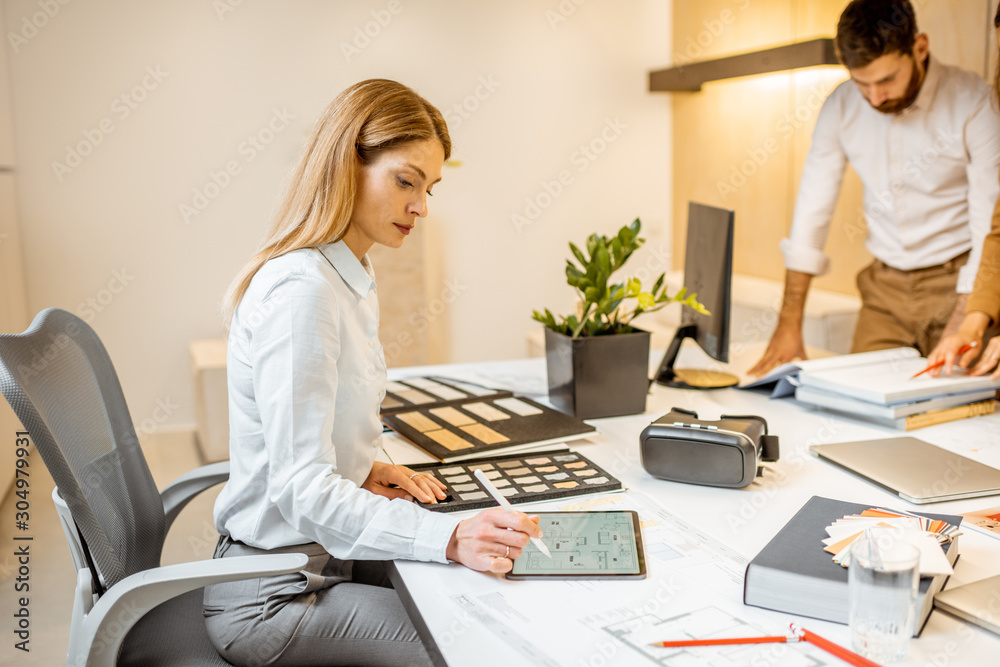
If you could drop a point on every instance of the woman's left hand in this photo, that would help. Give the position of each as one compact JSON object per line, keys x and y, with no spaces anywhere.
{"x":947,"y":352}
{"x":949,"y":348}
{"x":411,"y":484}
{"x":989,"y":361}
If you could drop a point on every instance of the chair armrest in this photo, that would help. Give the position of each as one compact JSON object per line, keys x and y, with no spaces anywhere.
{"x":182,"y":490}
{"x":105,"y":625}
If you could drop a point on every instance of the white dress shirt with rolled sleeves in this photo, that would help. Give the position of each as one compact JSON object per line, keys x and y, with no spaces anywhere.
{"x":929,"y":175}
{"x":306,"y":377}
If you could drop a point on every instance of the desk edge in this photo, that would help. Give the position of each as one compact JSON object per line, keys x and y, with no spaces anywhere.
{"x":414,"y":613}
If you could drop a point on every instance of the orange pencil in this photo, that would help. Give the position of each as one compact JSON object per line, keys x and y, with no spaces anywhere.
{"x":798,"y":634}
{"x":939,"y":364}
{"x":844,"y":654}
{"x":723,"y":641}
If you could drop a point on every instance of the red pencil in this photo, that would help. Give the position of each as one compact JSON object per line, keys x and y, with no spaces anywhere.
{"x":798,"y":634}
{"x":844,"y":654}
{"x":723,"y":641}
{"x":939,"y":364}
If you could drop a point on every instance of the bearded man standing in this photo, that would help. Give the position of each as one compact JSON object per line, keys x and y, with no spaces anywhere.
{"x":925,"y":139}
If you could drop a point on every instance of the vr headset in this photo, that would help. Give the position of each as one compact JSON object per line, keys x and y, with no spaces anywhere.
{"x":726,"y":452}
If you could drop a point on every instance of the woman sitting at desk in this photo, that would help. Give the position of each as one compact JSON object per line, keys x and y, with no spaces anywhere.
{"x":306,"y":375}
{"x":983,"y":307}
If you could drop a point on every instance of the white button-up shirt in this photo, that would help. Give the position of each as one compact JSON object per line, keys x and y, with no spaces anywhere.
{"x":929,"y":175}
{"x":306,"y":376}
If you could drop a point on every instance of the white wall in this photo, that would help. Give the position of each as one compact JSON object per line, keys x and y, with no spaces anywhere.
{"x":108,"y":228}
{"x":13,"y":309}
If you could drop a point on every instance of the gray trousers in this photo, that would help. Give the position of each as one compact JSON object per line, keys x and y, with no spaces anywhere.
{"x":333,"y":612}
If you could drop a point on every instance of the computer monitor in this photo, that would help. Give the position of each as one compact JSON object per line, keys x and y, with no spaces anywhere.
{"x":708,"y":271}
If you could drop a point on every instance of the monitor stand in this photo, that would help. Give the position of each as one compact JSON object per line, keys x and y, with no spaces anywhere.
{"x":689,"y":378}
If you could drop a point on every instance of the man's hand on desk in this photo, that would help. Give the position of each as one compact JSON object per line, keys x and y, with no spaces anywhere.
{"x":786,"y":344}
{"x":484,"y":543}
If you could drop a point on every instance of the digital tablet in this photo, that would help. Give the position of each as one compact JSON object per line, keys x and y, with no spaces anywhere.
{"x":584,"y":545}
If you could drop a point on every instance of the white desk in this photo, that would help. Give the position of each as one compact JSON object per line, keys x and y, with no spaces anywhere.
{"x":742,"y":519}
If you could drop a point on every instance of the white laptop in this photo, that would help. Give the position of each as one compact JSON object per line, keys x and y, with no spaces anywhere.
{"x":916,"y":471}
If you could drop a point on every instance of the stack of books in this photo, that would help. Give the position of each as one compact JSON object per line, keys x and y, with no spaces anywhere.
{"x":881,"y":387}
{"x":903,"y":416}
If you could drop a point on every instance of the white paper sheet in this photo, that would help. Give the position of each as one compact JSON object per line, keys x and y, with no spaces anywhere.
{"x":693,"y":590}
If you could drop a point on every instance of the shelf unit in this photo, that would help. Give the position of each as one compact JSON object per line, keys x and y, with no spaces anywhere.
{"x":690,"y":77}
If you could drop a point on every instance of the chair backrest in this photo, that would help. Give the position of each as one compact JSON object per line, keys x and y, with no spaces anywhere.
{"x":61,"y":383}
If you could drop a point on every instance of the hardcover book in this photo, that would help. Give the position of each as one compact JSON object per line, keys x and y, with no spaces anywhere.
{"x":903,"y":416}
{"x":854,"y":407}
{"x":793,"y":574}
{"x":891,"y":382}
{"x":783,"y":380}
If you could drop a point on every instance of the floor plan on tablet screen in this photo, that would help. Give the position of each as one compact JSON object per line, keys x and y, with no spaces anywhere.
{"x":597,"y":541}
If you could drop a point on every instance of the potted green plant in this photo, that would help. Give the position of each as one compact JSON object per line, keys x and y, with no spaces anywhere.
{"x":597,"y":361}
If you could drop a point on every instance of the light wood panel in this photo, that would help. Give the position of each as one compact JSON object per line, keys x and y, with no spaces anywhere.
{"x":958,"y":30}
{"x":736,"y":160}
{"x":845,"y":243}
{"x":734,"y":143}
{"x":742,"y":143}
{"x":405,"y":313}
{"x":13,"y":314}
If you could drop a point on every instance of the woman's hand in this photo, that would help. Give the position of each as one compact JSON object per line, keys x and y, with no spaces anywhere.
{"x":988,"y":362}
{"x":969,"y":333}
{"x":491,"y":540}
{"x":423,"y":487}
{"x":947,"y":351}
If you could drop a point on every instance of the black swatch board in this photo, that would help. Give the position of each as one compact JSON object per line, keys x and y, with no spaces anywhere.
{"x":432,"y":392}
{"x":528,"y":477}
{"x":471,"y":428}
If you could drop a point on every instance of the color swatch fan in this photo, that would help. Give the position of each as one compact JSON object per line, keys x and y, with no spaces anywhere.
{"x":926,"y":534}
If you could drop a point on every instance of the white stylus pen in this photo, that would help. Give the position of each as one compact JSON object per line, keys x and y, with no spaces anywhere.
{"x":488,"y":485}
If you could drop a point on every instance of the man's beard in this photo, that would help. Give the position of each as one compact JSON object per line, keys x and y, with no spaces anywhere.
{"x":910,"y":96}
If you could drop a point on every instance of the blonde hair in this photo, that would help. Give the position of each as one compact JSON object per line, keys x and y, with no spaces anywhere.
{"x":362,"y":122}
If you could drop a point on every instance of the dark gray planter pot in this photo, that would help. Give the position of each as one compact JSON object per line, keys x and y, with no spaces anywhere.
{"x":598,"y":376}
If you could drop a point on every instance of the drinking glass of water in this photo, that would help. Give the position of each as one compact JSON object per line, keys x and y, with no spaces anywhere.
{"x":882,"y":586}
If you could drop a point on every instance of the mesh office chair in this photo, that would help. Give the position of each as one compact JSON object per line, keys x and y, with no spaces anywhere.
{"x":127,"y":609}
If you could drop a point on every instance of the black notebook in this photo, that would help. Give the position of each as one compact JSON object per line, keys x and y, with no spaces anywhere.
{"x":793,"y":574}
{"x":433,"y":392}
